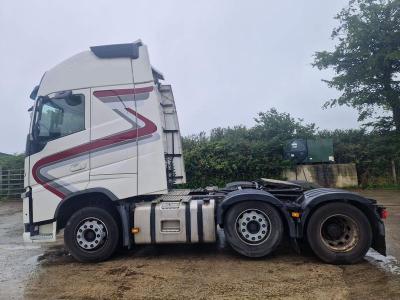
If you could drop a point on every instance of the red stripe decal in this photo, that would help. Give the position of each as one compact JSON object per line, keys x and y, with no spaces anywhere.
{"x":147,"y":129}
{"x":121,"y":92}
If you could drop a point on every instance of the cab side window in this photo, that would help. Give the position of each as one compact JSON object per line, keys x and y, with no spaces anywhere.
{"x":60,"y":117}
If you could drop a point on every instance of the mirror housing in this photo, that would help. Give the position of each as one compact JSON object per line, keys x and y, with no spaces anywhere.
{"x":34,"y":92}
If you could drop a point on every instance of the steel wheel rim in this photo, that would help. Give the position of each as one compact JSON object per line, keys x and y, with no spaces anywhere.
{"x":91,"y":234}
{"x":339,"y":233}
{"x":253,"y":226}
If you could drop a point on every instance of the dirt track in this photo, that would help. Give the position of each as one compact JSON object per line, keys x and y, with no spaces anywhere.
{"x":197,"y":272}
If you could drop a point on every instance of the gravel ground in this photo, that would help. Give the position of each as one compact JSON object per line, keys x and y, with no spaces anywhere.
{"x":193,"y":271}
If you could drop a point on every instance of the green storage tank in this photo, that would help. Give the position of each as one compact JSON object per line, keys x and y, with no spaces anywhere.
{"x":319,"y":151}
{"x":308,"y":151}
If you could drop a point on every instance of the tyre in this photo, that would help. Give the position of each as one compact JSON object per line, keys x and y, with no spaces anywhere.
{"x":339,"y":233}
{"x":253,"y":228}
{"x":91,"y":234}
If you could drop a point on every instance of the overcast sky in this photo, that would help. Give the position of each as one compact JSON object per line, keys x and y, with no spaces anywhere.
{"x":226,"y":60}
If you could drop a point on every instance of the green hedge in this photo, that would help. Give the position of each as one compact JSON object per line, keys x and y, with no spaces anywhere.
{"x":240,"y":153}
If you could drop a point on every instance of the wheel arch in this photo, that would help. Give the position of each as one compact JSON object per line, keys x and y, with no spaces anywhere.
{"x":243,"y":195}
{"x":91,"y":197}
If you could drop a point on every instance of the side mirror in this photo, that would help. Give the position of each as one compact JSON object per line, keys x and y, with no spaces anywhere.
{"x":34,"y":93}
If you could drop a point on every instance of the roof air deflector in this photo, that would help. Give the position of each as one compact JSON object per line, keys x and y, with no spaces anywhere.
{"x":130,"y":50}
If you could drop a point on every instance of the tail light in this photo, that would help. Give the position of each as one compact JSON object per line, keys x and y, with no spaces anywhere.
{"x":383,"y":213}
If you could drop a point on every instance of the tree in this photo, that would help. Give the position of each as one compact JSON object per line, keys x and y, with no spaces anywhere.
{"x":279,"y":127}
{"x":366,"y":60}
{"x":11,"y":162}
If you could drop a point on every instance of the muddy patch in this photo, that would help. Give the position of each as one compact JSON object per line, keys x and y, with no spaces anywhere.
{"x":193,"y":271}
{"x":180,"y":271}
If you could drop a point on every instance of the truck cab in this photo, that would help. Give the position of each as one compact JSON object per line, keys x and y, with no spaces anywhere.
{"x":102,"y":121}
{"x":104,"y":153}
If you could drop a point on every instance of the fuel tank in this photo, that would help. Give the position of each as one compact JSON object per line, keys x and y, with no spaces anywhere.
{"x":175,"y":219}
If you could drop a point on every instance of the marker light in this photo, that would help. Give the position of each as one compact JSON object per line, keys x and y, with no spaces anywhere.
{"x":135,"y":230}
{"x":295,"y":214}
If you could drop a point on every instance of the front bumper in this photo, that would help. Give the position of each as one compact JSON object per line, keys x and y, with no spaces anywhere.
{"x":40,"y":233}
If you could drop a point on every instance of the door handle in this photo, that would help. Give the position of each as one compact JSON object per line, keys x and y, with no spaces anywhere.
{"x":77,"y":166}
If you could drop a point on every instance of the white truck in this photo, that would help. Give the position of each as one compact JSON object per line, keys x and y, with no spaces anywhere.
{"x":104,"y":152}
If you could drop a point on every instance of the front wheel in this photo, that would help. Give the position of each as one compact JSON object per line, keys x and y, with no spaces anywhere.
{"x":91,"y":234}
{"x":339,"y":233}
{"x":253,"y":228}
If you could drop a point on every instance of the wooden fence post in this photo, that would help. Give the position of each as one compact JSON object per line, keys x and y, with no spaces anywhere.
{"x":1,"y":182}
{"x":394,"y":172}
{"x":8,"y":183}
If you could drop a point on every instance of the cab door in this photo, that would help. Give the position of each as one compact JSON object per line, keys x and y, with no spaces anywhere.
{"x":59,"y":156}
{"x":113,"y":155}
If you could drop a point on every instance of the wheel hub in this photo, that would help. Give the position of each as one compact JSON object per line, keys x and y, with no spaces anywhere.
{"x":91,"y":234}
{"x":339,"y":233}
{"x":253,"y":226}
{"x":334,"y":230}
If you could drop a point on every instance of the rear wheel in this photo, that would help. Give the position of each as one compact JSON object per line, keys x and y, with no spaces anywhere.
{"x":91,"y":234}
{"x":339,"y":233}
{"x":253,"y":228}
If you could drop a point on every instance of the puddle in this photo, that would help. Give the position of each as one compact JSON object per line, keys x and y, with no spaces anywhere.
{"x":18,"y":247}
{"x":387,"y":263}
{"x":32,"y":261}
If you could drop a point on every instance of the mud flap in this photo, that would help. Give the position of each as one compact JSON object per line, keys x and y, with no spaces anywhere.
{"x":124,"y":211}
{"x":379,"y":241}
